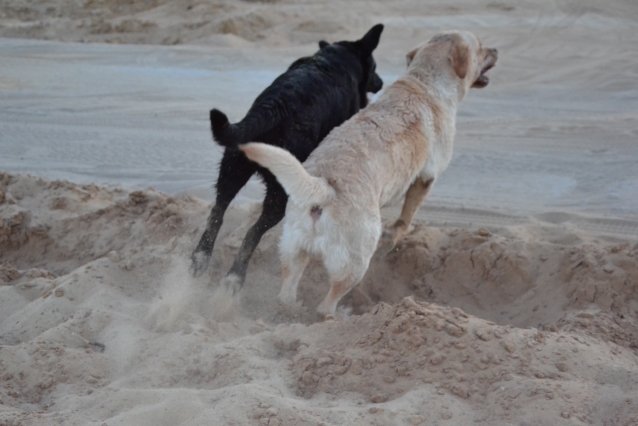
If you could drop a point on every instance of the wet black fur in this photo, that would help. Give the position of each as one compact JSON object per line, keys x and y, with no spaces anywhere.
{"x":315,"y":94}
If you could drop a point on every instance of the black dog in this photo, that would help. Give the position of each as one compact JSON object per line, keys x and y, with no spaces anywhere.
{"x":316,"y":94}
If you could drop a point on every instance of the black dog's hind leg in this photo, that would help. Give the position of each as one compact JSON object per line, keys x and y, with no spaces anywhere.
{"x":273,"y":212}
{"x":234,"y":171}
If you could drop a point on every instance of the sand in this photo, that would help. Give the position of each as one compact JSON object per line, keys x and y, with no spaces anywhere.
{"x":512,"y":301}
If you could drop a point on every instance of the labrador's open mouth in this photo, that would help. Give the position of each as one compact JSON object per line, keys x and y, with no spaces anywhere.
{"x":483,"y":80}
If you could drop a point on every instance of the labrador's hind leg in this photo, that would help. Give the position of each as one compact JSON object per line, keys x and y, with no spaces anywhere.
{"x":292,"y":270}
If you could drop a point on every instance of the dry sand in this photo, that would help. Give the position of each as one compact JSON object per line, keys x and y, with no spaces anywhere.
{"x":513,"y":300}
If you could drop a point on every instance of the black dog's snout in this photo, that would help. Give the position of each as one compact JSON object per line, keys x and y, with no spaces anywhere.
{"x":375,"y":84}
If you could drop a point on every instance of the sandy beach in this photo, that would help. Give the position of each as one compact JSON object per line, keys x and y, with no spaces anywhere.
{"x":513,"y":300}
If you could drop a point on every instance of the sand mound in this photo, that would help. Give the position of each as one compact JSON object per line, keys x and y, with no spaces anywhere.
{"x":395,"y":350}
{"x":515,"y":277}
{"x":101,"y":323}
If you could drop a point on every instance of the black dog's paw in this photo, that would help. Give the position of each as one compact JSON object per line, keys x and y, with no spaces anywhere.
{"x":199,"y":263}
{"x":233,"y":283}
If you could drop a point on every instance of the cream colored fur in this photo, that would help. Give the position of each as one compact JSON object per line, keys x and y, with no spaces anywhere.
{"x":394,"y":149}
{"x":292,"y":175}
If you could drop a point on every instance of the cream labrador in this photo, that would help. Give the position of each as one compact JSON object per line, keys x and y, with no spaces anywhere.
{"x":396,"y":147}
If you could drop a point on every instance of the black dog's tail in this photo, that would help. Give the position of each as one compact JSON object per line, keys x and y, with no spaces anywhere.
{"x":255,"y":124}
{"x":223,"y":132}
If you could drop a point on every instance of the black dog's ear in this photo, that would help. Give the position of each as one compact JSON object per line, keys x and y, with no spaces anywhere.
{"x":323,"y":43}
{"x":370,"y":41}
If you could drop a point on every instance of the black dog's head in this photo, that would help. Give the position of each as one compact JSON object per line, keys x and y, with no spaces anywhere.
{"x":370,"y":80}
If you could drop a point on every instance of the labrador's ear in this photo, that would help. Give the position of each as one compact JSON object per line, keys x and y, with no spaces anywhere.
{"x":410,"y":56}
{"x":370,"y":41}
{"x":323,"y":43}
{"x":460,"y":58}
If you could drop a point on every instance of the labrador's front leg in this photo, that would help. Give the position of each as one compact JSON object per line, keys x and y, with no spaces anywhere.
{"x":417,"y":192}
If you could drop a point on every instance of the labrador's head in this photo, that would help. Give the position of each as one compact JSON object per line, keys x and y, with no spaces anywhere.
{"x":458,"y":54}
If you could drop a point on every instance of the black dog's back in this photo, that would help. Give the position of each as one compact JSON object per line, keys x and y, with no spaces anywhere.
{"x":312,"y":96}
{"x":315,"y":94}
{"x":295,"y":112}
